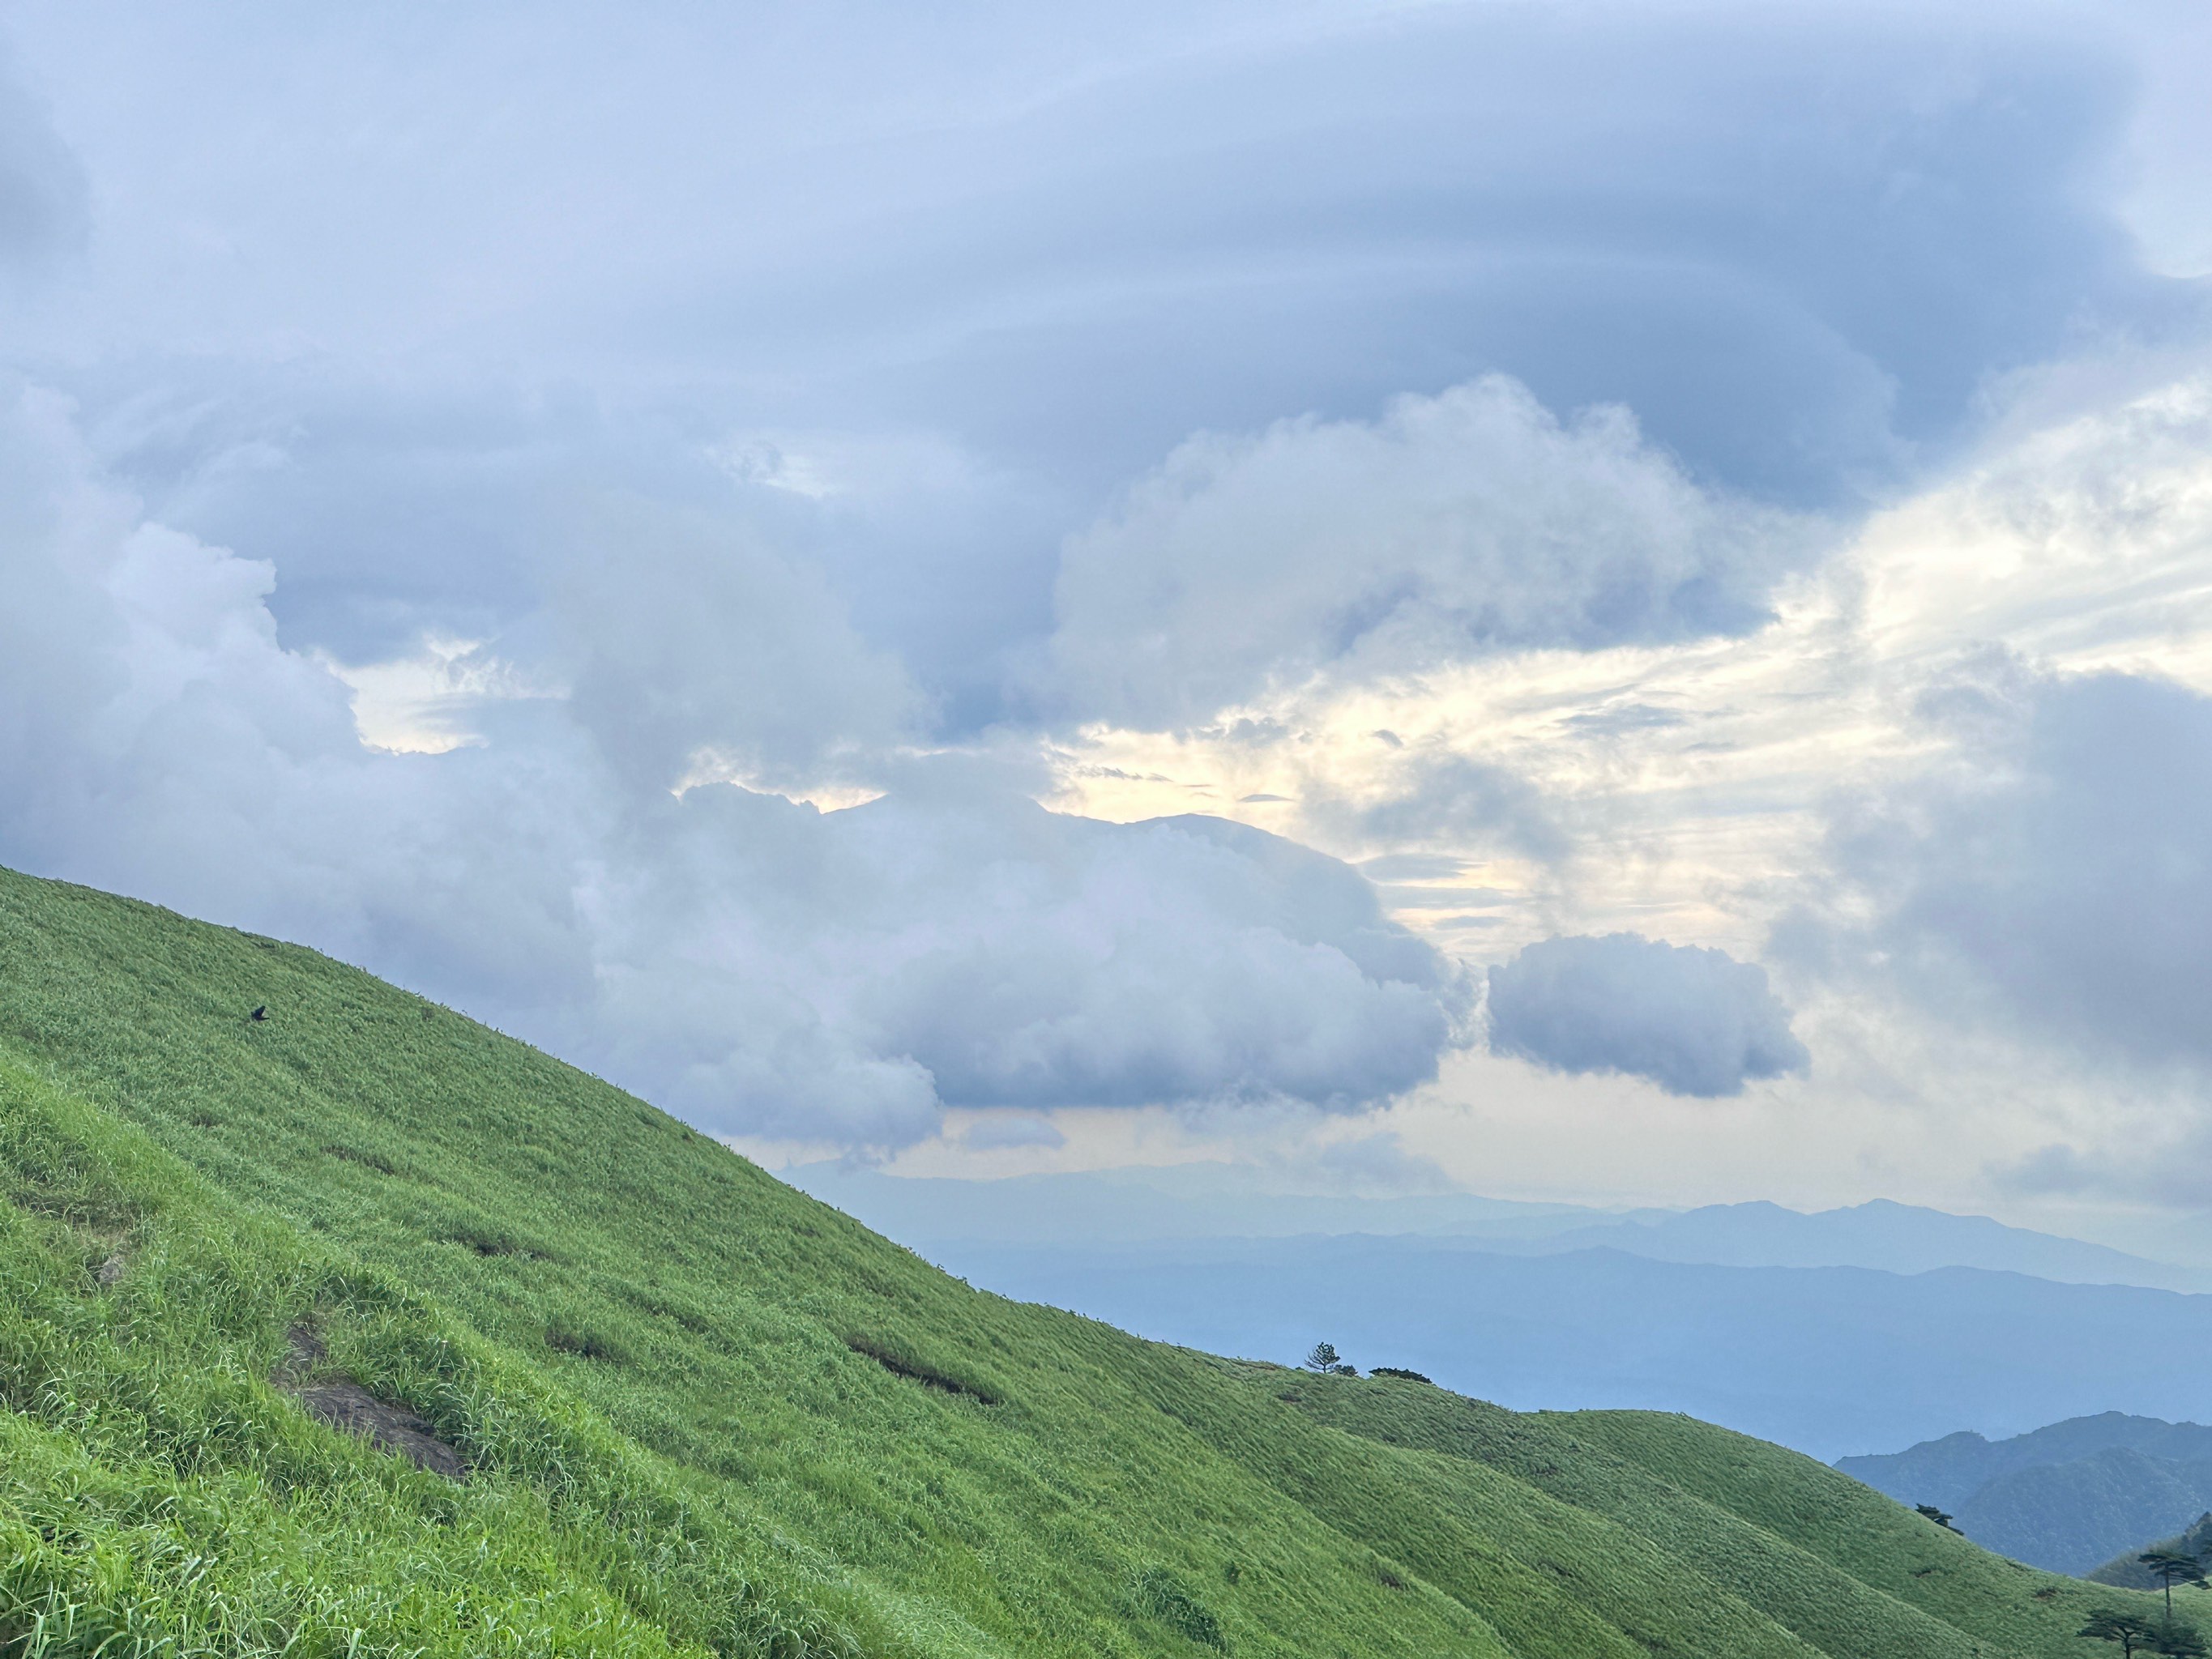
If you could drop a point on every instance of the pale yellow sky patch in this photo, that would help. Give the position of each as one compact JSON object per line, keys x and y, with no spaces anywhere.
{"x":1693,"y":777}
{"x":421,"y":704}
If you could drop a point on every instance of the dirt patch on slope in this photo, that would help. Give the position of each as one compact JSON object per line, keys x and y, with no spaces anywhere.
{"x":344,"y":1404}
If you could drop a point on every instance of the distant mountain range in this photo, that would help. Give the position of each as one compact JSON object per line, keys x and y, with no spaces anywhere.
{"x":1828,"y":1360}
{"x":1899,"y":1239}
{"x":1143,"y":1205}
{"x":2070,"y":1497}
{"x":1150,"y":1206}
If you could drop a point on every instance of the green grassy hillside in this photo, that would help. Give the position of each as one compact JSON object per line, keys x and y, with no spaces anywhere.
{"x":699,"y":1413}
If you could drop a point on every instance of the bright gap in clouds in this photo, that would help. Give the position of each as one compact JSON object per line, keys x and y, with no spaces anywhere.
{"x":1616,"y":599}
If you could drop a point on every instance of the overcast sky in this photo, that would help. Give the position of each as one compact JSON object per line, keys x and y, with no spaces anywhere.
{"x":1607,"y":602}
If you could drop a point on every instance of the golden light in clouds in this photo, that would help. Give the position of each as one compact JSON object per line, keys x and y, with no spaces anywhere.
{"x":1692,"y":783}
{"x":1690,"y":779}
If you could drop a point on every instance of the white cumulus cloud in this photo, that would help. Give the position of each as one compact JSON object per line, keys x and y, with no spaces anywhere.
{"x":1693,"y":1020}
{"x":1468,"y":522}
{"x":761,"y":966}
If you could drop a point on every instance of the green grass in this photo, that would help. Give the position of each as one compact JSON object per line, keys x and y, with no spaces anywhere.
{"x":704,"y":1413}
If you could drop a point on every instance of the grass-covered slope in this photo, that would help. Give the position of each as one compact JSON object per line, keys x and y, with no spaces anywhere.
{"x":700,"y":1413}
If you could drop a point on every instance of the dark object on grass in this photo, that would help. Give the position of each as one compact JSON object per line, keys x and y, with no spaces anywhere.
{"x":260,"y":1013}
{"x":561,"y":1338}
{"x":1158,"y":1594}
{"x":368,"y":1160}
{"x":1400,"y":1372}
{"x":1935,"y":1515}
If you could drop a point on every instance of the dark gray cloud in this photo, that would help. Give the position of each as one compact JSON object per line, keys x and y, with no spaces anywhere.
{"x":1695,"y":1021}
{"x":967,"y":278}
{"x":2054,"y":874}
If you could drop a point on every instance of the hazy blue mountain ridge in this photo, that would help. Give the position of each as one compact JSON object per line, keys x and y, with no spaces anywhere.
{"x":1950,"y":1471}
{"x":2068,"y":1497}
{"x":1212,"y":1201}
{"x":1901,"y":1238}
{"x":2070,"y":1517}
{"x":1137,"y":1207}
{"x":1829,"y":1360}
{"x":1879,"y":1324}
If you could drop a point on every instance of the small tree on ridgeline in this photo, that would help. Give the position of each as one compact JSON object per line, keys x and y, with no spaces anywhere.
{"x":2133,"y":1634}
{"x":1323,"y":1357}
{"x":1936,"y":1516}
{"x":2170,"y":1569}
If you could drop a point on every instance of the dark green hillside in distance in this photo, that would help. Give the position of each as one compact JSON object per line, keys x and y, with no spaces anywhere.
{"x":2129,"y":1567}
{"x":2070,"y":1497}
{"x":687,"y":1410}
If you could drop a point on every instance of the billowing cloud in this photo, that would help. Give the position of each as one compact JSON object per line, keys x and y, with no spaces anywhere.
{"x":753,"y":963}
{"x":962,"y":946}
{"x":1470,"y":522}
{"x":1182,"y":960}
{"x":806,"y":415}
{"x":695,"y":649}
{"x":942,"y":289}
{"x":2052,"y":869}
{"x":1695,"y":1021}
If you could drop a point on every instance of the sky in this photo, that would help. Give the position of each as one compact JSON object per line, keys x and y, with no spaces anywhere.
{"x":1598,"y":602}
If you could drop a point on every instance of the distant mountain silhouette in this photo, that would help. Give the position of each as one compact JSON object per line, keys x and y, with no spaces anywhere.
{"x":1827,"y":1360}
{"x":2069,"y":1498}
{"x":1148,"y":1207}
{"x":1901,"y":1238}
